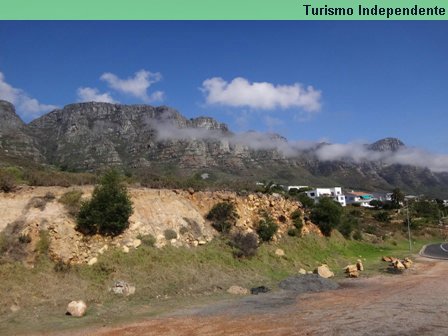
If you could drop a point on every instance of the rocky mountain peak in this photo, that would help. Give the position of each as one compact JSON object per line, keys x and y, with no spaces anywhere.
{"x":387,"y":144}
{"x":9,"y":119}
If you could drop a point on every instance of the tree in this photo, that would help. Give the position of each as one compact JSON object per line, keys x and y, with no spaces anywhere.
{"x":109,"y":209}
{"x":306,"y":201}
{"x":397,"y":197}
{"x":327,"y":215}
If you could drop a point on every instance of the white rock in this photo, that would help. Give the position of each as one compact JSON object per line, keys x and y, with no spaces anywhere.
{"x":92,"y":261}
{"x":202,"y":242}
{"x":125,"y":249}
{"x":137,"y":243}
{"x":302,"y":271}
{"x":324,"y":272}
{"x":103,"y":249}
{"x":237,"y":290}
{"x":76,"y":308}
{"x":279,"y":252}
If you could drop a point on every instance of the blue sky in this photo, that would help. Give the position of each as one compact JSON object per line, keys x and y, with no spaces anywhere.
{"x":338,"y":81}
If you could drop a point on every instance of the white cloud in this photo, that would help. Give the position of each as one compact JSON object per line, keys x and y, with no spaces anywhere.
{"x":87,"y":94}
{"x":28,"y":107}
{"x":136,"y":86}
{"x":260,"y":95}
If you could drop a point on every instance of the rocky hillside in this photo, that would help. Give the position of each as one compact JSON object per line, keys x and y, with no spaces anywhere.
{"x":28,"y":211}
{"x":159,"y":140}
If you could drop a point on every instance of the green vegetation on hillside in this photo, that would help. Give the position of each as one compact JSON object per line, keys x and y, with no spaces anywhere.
{"x":109,"y":209}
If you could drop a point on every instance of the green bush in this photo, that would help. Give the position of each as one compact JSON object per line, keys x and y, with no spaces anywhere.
{"x":147,"y":240}
{"x":347,"y":225}
{"x":306,"y":201}
{"x":246,"y":244}
{"x":327,"y":215}
{"x":7,"y":181}
{"x":293,"y":232}
{"x":72,"y":201}
{"x":109,"y":209}
{"x":267,"y":227}
{"x":170,"y":234}
{"x":43,"y":245}
{"x":382,"y":216}
{"x":223,"y":216}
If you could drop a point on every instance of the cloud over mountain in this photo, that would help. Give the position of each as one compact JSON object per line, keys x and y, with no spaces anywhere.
{"x":260,"y":95}
{"x":28,"y":107}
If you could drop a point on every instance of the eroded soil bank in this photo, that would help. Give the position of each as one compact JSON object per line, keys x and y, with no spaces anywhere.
{"x":415,"y":303}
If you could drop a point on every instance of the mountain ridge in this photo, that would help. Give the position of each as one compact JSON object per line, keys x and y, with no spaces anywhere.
{"x":90,"y":136}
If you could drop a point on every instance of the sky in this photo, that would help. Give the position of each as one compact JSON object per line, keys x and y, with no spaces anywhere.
{"x":334,"y":81}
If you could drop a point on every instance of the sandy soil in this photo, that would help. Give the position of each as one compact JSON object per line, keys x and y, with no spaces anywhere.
{"x":415,"y":303}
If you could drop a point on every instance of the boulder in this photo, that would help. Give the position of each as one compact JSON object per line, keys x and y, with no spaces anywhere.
{"x":125,"y":249}
{"x":122,"y":288}
{"x":136,"y":243}
{"x":407,"y":263}
{"x":237,"y":290}
{"x":76,"y":308}
{"x":359,"y":265}
{"x":351,"y":268}
{"x":302,"y":271}
{"x":387,"y":259}
{"x":354,"y":274}
{"x":260,"y":289}
{"x":398,"y":265}
{"x":324,"y":271}
{"x":92,"y":261}
{"x":279,"y":252}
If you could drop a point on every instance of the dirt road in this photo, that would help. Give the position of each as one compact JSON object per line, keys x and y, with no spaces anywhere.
{"x":415,"y":303}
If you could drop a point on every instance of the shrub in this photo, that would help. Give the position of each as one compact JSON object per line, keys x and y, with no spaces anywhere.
{"x":293,"y":232}
{"x":43,"y":245}
{"x":306,"y":201}
{"x":246,"y":244}
{"x":7,"y":181}
{"x":296,"y":217}
{"x":347,"y":225}
{"x":382,"y":216}
{"x":357,"y":235}
{"x":327,"y":215}
{"x":376,"y":203}
{"x":267,"y":228}
{"x":72,"y":201}
{"x":170,"y":234}
{"x":38,"y":203}
{"x":223,"y":216}
{"x":147,"y":240}
{"x":61,"y":267}
{"x":109,"y":209}
{"x":183,"y":230}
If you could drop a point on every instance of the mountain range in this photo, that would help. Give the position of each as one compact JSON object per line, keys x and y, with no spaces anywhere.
{"x":90,"y":136}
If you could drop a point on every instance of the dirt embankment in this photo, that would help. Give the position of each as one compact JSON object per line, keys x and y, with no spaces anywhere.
{"x":37,"y":208}
{"x":411,"y":304}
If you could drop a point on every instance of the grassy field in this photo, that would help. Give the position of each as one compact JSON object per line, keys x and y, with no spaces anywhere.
{"x":168,"y":278}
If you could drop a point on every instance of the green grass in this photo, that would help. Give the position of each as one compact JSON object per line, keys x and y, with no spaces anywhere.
{"x":168,"y":278}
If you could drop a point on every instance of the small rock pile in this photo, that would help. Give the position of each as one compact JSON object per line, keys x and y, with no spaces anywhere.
{"x":396,"y":264}
{"x":122,"y":288}
{"x":352,"y":271}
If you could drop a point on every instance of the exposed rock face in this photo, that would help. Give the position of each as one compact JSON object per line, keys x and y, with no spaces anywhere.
{"x":14,"y":138}
{"x":387,"y":144}
{"x":155,"y":211}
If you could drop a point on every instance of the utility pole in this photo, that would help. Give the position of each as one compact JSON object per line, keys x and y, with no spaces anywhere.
{"x":409,"y":225}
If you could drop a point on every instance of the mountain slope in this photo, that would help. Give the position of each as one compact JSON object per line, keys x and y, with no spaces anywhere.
{"x":89,"y":136}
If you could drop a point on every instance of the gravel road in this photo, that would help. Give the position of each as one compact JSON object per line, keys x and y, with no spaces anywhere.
{"x":414,"y":303}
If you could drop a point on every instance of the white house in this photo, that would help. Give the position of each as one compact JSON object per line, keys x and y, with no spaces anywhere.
{"x":359,"y":197}
{"x":335,"y":193}
{"x":296,"y":187}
